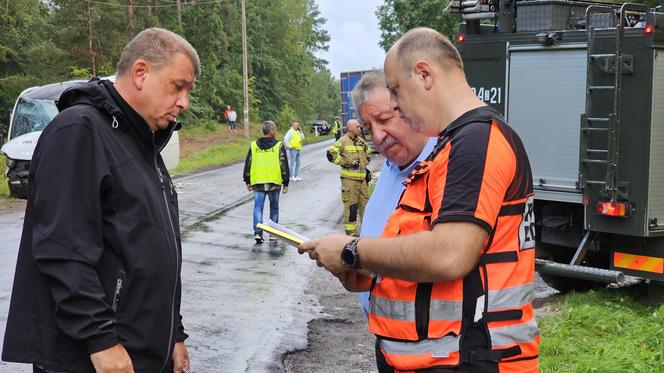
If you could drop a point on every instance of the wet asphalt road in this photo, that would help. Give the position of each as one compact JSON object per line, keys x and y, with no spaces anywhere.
{"x":243,"y":304}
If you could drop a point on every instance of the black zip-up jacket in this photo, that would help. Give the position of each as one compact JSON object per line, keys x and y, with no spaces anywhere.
{"x":266,"y":142}
{"x":100,"y":255}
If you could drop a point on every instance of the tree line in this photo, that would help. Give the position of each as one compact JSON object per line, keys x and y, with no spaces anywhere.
{"x":395,"y":17}
{"x":46,"y":41}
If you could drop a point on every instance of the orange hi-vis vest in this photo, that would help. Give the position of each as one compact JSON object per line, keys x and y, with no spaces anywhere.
{"x":428,"y":325}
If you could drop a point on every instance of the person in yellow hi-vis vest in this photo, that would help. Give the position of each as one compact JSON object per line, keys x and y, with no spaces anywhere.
{"x":265,"y":171}
{"x":351,"y":152}
{"x":336,"y":129}
{"x":293,"y":142}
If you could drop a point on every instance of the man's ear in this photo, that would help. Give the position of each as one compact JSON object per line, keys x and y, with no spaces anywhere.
{"x":139,"y":70}
{"x":424,"y":73}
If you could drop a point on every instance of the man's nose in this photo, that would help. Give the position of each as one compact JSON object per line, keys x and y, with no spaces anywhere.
{"x":393,"y":103}
{"x":183,"y":102}
{"x":378,"y":134}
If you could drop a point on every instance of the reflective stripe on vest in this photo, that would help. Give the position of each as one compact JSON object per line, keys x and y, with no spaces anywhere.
{"x":295,"y":140}
{"x":511,"y":297}
{"x":442,"y":310}
{"x":439,"y":347}
{"x":265,"y":165}
{"x":405,"y":310}
{"x":513,"y":334}
{"x":352,"y":227}
{"x":353,"y":148}
{"x":352,"y":174}
{"x":445,"y":346}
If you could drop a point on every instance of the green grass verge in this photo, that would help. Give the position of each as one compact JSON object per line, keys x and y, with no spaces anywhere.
{"x":310,"y":139}
{"x":224,"y":154}
{"x":611,"y":330}
{"x":4,"y":188}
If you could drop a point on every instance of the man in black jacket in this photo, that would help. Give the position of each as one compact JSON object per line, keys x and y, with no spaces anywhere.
{"x":97,"y":283}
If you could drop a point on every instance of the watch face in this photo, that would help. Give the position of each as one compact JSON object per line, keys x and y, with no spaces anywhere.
{"x":348,"y":257}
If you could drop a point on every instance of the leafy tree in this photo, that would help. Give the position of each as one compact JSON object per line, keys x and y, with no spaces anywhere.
{"x":45,"y":41}
{"x":285,"y":118}
{"x":93,"y":33}
{"x":327,"y":97}
{"x":395,"y":17}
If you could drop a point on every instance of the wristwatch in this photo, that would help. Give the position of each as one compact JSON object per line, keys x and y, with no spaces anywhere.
{"x":349,"y":256}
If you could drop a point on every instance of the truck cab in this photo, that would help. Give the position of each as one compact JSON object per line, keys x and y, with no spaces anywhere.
{"x":34,"y":109}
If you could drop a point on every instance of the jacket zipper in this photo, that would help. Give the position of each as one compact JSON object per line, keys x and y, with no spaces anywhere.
{"x":118,"y":289}
{"x":177,"y":253}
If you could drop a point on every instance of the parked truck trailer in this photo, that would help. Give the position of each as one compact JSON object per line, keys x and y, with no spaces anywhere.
{"x":347,"y":82}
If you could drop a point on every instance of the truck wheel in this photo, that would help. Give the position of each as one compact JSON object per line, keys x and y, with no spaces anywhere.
{"x":561,"y":254}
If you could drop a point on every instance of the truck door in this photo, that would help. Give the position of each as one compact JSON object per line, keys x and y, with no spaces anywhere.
{"x":546,"y":97}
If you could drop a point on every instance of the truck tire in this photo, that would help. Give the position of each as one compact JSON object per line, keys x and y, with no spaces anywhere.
{"x":561,"y":254}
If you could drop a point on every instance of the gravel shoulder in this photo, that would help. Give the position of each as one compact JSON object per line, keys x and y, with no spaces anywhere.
{"x":339,"y":341}
{"x":11,"y":205}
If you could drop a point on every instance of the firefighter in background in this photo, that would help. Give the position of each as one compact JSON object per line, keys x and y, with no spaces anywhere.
{"x":336,"y":130}
{"x":351,"y":152}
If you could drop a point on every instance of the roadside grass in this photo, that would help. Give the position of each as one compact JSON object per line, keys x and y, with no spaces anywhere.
{"x":4,"y":188}
{"x":224,"y":154}
{"x":611,"y":330}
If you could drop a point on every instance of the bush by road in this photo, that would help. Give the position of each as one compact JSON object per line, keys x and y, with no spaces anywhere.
{"x":227,"y":151}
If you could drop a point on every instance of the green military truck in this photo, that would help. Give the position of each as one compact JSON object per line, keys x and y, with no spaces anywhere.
{"x":583,"y":85}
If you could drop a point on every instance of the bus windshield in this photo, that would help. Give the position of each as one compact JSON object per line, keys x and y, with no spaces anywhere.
{"x":32,"y":115}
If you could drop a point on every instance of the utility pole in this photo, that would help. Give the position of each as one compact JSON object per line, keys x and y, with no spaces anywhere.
{"x":130,"y":15}
{"x":245,"y":73}
{"x":91,"y":50}
{"x":178,"y":12}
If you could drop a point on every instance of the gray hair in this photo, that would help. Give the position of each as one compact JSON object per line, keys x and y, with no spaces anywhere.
{"x":158,"y":46}
{"x":370,"y":80}
{"x":267,"y":126}
{"x":423,"y":42}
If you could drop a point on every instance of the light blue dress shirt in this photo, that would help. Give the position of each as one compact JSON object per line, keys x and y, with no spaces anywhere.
{"x":384,"y":200}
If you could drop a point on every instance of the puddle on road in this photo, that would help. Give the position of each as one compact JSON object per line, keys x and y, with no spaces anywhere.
{"x":274,"y":249}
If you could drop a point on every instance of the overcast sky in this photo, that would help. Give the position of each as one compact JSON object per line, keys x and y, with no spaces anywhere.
{"x":354,"y":31}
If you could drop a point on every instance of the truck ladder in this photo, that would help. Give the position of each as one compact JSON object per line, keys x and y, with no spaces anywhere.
{"x":605,"y":130}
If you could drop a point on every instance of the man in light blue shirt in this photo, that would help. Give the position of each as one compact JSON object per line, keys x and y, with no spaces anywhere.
{"x":402,"y":148}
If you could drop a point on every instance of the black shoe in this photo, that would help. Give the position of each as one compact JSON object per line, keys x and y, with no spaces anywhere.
{"x":259,"y":238}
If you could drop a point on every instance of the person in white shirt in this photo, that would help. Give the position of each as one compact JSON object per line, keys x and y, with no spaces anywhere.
{"x":232,"y":117}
